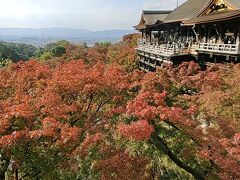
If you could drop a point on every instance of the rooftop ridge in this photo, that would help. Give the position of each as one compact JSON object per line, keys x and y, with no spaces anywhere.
{"x":157,"y":11}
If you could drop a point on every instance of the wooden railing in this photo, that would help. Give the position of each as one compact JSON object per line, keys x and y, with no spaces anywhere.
{"x":219,"y":48}
{"x":165,"y":49}
{"x":174,"y":49}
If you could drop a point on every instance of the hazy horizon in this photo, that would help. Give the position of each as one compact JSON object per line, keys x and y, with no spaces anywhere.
{"x":70,"y":28}
{"x":92,"y":15}
{"x":43,"y":36}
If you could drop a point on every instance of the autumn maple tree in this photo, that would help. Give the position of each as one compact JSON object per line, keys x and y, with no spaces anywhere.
{"x":168,"y":109}
{"x":50,"y":111}
{"x":97,"y":119}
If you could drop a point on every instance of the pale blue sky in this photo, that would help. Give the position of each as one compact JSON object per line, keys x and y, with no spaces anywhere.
{"x":83,"y":14}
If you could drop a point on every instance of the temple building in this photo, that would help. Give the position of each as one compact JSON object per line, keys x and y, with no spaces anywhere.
{"x":207,"y":30}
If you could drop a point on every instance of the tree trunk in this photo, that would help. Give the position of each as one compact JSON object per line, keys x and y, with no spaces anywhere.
{"x":2,"y":176}
{"x":4,"y":163}
{"x":16,"y":174}
{"x":160,"y":144}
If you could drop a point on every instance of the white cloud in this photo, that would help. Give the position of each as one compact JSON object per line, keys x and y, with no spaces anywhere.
{"x":84,"y":14}
{"x":161,"y":4}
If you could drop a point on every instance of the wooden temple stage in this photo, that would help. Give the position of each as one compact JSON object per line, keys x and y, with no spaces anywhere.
{"x":208,"y":30}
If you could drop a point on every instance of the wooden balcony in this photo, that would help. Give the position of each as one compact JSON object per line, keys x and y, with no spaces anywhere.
{"x":231,"y":49}
{"x":165,"y":50}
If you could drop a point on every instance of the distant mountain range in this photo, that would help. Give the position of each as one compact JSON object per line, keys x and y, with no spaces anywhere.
{"x":45,"y":35}
{"x":60,"y":32}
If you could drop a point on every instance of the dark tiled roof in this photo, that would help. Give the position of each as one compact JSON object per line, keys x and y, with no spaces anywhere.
{"x":189,"y":9}
{"x":149,"y":18}
{"x":213,"y":17}
{"x":156,"y":12}
{"x":234,"y":3}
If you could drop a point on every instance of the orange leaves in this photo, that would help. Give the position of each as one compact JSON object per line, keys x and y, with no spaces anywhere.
{"x":4,"y":124}
{"x":141,"y":109}
{"x":56,"y":106}
{"x":139,"y":130}
{"x":68,"y":93}
{"x":63,"y":134}
{"x":123,"y":54}
{"x":68,"y":76}
{"x":13,"y":139}
{"x":232,"y":146}
{"x":52,"y":104}
{"x":121,"y":165}
{"x":89,"y":141}
{"x":149,"y":82}
{"x":226,"y":154}
{"x":160,"y":98}
{"x":27,"y":76}
{"x":115,"y":77}
{"x":187,"y":69}
{"x":189,"y":74}
{"x":145,"y":104}
{"x":236,"y":139}
{"x":50,"y":127}
{"x":193,"y":110}
{"x":22,"y":110}
{"x":90,"y":88}
{"x":176,"y":116}
{"x":69,"y":136}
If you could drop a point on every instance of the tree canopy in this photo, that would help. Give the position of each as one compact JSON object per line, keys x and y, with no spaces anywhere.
{"x":98,"y":118}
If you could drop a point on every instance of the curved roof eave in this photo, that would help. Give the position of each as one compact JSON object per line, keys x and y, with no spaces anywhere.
{"x":188,"y":10}
{"x":213,"y":17}
{"x":149,"y":18}
{"x":234,"y":3}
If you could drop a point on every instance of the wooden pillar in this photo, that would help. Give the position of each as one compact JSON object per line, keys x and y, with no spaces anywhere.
{"x":150,"y":35}
{"x":198,"y":36}
{"x":220,"y":31}
{"x":238,"y":39}
{"x":236,"y":34}
{"x":188,"y":32}
{"x":144,"y":34}
{"x":159,"y":35}
{"x":222,"y":35}
{"x":206,"y":33}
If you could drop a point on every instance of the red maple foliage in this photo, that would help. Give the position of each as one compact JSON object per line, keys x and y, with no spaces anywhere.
{"x":140,"y":130}
{"x":117,"y":166}
{"x":57,"y":114}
